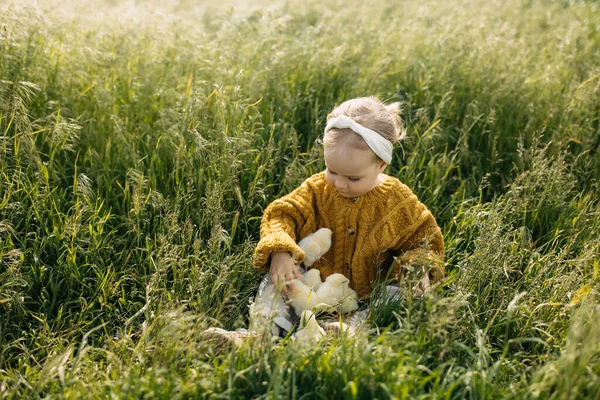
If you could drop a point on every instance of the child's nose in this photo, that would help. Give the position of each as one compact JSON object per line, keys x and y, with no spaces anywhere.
{"x":341,"y":184}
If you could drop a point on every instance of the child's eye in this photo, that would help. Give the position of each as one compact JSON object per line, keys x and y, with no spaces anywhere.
{"x":354,"y":179}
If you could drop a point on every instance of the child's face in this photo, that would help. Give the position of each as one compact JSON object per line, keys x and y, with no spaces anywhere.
{"x":353,"y":172}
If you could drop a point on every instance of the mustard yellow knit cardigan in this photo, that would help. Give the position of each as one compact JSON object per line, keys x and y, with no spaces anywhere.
{"x":387,"y":219}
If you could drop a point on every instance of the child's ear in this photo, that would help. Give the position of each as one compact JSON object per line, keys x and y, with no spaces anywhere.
{"x":382,"y":166}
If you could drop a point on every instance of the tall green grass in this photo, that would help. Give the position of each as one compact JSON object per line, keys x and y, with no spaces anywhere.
{"x":139,"y":144}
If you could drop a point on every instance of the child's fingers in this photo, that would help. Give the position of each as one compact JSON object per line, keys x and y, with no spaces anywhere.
{"x":278,"y":281}
{"x":275,"y":279}
{"x":287,"y":283}
{"x":289,"y":275}
{"x":298,"y":274}
{"x":283,"y":286}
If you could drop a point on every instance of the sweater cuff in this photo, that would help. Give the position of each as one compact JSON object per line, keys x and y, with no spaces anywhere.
{"x":275,"y":242}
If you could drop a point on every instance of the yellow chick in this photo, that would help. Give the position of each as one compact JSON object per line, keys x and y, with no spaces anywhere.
{"x":309,"y":329}
{"x":315,"y":245}
{"x":336,"y":292}
{"x":302,"y":297}
{"x":312,"y":278}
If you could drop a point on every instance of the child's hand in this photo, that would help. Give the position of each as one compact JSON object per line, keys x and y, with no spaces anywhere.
{"x":283,"y":270}
{"x":422,"y":286}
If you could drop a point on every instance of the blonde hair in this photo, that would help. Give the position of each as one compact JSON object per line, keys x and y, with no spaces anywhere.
{"x":371,"y":113}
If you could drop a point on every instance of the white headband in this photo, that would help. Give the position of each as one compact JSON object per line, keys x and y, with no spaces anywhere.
{"x":380,"y":145}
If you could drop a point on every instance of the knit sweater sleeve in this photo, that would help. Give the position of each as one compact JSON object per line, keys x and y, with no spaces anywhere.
{"x":423,"y":244}
{"x":281,"y":224}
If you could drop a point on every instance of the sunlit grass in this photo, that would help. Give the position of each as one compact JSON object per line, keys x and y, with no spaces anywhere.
{"x":139,"y":144}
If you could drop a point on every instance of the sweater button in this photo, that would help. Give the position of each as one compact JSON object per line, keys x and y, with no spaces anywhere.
{"x":350,"y":231}
{"x":355,"y":199}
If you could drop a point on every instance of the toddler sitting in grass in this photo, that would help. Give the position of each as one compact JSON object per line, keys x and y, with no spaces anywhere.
{"x":373,"y":216}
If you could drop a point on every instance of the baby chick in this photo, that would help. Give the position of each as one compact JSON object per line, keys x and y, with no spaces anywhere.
{"x":335,"y":291}
{"x":302,"y":297}
{"x":312,"y":278}
{"x":349,"y":301}
{"x":315,"y":245}
{"x":309,"y":328}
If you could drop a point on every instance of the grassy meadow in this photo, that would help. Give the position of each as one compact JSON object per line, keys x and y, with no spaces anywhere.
{"x":140,"y":142}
